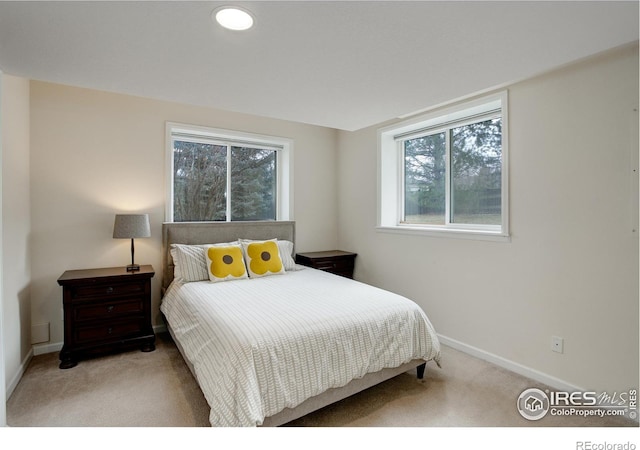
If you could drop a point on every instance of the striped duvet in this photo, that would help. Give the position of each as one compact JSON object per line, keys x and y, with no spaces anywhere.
{"x":258,"y":346}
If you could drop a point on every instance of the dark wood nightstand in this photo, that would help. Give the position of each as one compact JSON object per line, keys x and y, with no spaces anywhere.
{"x":334,"y":261}
{"x":105,"y":310}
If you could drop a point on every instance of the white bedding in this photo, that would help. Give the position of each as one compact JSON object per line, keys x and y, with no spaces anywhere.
{"x":258,"y":346}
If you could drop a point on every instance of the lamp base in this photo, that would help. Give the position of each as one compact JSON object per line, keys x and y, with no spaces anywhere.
{"x":133,"y":268}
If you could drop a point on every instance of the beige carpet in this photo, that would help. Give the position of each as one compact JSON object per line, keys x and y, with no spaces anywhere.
{"x":156,"y":389}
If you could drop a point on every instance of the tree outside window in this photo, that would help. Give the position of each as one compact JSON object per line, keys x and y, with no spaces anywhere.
{"x":468,"y":159}
{"x":214,"y":182}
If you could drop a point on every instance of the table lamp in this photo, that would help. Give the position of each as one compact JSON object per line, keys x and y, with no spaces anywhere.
{"x":130,"y":226}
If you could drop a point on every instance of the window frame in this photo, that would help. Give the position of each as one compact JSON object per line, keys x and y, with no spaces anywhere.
{"x":391,"y":169}
{"x":230,"y":138}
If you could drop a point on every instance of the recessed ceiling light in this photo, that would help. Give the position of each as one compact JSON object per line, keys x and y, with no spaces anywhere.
{"x":233,"y":18}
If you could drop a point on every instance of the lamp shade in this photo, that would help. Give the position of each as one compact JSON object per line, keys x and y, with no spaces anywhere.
{"x":129,"y":226}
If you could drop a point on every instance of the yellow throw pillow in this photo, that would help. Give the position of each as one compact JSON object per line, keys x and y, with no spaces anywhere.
{"x":263,"y":258}
{"x":225,"y":263}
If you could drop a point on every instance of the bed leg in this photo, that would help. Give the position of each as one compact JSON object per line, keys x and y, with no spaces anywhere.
{"x":420,"y":369}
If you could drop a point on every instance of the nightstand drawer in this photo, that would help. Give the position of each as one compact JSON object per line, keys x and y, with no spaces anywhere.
{"x":106,"y":309}
{"x":107,"y":331}
{"x":109,"y":290}
{"x":334,"y":265}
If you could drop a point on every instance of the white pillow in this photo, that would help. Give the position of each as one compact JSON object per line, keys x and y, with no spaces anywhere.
{"x":189,"y":262}
{"x":286,"y":254}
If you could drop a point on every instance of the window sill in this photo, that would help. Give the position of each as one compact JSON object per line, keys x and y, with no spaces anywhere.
{"x":478,"y":235}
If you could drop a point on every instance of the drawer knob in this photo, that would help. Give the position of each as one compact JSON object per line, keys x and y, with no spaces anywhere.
{"x":109,"y":290}
{"x":110,"y":308}
{"x":109,"y":330}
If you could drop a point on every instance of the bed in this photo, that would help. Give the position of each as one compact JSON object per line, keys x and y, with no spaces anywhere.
{"x":270,"y":347}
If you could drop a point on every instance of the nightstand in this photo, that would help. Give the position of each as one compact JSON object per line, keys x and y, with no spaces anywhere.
{"x":334,"y":261}
{"x":105,"y":310}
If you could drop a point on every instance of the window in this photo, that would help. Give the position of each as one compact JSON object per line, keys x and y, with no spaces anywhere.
{"x":222,"y":175}
{"x":446,"y":172}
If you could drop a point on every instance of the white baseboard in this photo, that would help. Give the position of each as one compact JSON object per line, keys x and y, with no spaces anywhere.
{"x":41,"y":349}
{"x":515,"y":367}
{"x":11,"y":386}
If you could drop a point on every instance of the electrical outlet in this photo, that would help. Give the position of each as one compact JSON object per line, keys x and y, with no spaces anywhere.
{"x":557,"y":344}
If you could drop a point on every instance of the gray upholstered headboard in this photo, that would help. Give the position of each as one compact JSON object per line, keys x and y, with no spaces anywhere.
{"x":217,"y":232}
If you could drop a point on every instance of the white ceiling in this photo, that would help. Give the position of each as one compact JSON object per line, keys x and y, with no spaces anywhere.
{"x":340,"y":64}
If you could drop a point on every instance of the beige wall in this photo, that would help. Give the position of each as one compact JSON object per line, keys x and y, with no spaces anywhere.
{"x":16,"y":271}
{"x":571,"y":268}
{"x":95,"y":154}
